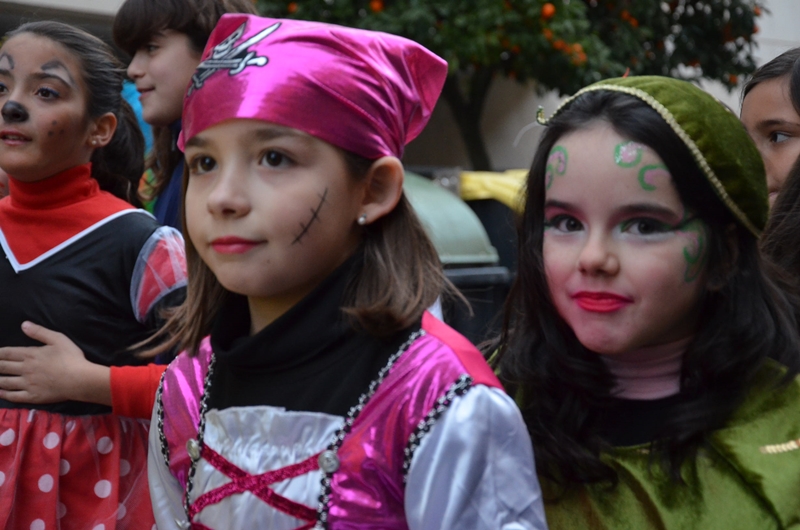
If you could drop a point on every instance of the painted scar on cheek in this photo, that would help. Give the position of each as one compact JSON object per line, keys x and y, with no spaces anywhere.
{"x":648,"y":175}
{"x":556,"y":165}
{"x":314,"y":217}
{"x":696,"y":254}
{"x":628,"y":154}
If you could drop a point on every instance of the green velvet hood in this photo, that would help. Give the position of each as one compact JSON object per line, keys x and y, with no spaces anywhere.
{"x":714,"y":135}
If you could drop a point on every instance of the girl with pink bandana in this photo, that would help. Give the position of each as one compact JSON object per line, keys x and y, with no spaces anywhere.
{"x":315,"y":390}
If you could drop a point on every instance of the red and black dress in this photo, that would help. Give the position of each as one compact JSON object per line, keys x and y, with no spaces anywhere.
{"x":84,"y":263}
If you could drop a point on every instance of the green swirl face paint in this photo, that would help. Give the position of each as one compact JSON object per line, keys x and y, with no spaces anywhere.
{"x":628,"y":154}
{"x":649,"y":173}
{"x":556,"y":165}
{"x":696,"y":254}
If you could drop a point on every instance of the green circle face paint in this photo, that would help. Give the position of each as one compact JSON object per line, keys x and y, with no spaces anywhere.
{"x":556,"y":165}
{"x":628,"y":154}
{"x":649,"y":173}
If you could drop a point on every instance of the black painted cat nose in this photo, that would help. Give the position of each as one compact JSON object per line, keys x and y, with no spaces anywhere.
{"x":13,"y":112}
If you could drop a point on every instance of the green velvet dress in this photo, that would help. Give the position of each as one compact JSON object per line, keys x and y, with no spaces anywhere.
{"x":747,"y":478}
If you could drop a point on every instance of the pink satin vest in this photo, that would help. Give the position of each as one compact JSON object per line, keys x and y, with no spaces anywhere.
{"x":367,"y":490}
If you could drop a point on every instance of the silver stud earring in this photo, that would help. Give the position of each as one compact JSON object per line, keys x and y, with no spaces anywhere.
{"x":362,"y":219}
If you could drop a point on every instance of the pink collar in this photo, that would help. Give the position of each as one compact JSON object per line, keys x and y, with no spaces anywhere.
{"x":648,"y":373}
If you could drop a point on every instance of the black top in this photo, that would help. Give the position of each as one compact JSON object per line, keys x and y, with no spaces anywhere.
{"x":633,"y":422}
{"x":84,"y":291}
{"x":309,"y":359}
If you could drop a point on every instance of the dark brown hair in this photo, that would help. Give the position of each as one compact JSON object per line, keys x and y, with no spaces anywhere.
{"x":786,"y":64}
{"x":136,"y":22}
{"x":781,"y":240}
{"x":118,"y":166}
{"x":399,"y":278}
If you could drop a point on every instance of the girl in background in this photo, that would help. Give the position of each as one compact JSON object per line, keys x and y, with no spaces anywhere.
{"x":654,"y":360}
{"x":165,"y":39}
{"x":771,"y":115}
{"x":325,"y":390}
{"x":82,"y":261}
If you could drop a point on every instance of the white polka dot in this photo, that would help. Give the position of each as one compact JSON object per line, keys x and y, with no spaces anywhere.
{"x":61,"y":510}
{"x":99,"y":527}
{"x":7,"y":438}
{"x":122,"y":511}
{"x":45,"y":483}
{"x":38,"y":524}
{"x":102,"y":489}
{"x":31,"y":414}
{"x":124,"y":467}
{"x":2,"y":478}
{"x":63,"y":468}
{"x":155,"y":527}
{"x":51,"y":440}
{"x":105,"y":445}
{"x":70,"y":426}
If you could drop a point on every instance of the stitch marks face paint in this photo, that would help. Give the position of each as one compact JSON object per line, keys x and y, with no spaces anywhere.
{"x":624,"y":263}
{"x":314,"y":217}
{"x":270,"y":210}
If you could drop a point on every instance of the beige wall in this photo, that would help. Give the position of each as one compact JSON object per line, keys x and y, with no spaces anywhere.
{"x":511,"y":108}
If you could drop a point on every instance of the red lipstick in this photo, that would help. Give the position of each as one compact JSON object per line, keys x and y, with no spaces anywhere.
{"x":600,"y":302}
{"x":233,"y":245}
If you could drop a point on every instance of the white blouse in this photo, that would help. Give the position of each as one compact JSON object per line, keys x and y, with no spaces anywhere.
{"x":473,"y":470}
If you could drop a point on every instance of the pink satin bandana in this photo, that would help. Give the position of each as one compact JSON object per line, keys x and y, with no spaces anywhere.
{"x":363,"y":91}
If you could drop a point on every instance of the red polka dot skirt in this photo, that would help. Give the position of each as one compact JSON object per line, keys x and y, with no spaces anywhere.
{"x":73,"y":472}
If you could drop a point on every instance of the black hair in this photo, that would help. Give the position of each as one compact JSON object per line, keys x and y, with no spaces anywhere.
{"x":781,"y":240}
{"x":786,"y":64}
{"x":563,"y":388}
{"x":136,"y":22}
{"x":119,"y":165}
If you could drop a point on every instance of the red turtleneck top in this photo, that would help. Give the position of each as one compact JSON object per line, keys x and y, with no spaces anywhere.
{"x":56,"y":210}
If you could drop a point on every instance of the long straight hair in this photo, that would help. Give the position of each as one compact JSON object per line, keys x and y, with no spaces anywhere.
{"x":781,"y":240}
{"x":399,"y":278}
{"x":117,"y":166}
{"x":563,"y":387}
{"x":136,"y":22}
